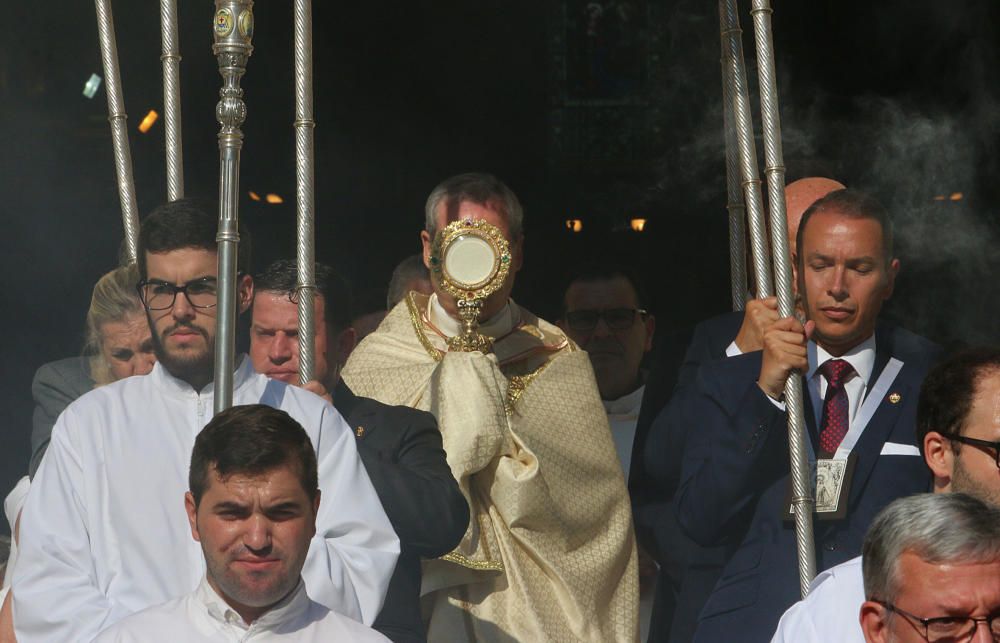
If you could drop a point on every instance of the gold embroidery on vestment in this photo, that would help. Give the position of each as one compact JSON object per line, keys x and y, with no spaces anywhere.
{"x":483,"y":565}
{"x":418,"y":327}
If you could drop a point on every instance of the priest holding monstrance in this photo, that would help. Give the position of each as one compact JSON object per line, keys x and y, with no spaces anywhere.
{"x":549,"y":553}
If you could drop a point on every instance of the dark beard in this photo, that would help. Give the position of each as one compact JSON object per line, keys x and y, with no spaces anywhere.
{"x":197,"y":370}
{"x":963,"y":482}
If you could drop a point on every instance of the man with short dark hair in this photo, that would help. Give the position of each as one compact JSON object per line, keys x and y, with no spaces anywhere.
{"x":932,"y":571}
{"x":861,"y":383}
{"x":252,"y":504}
{"x":958,"y":432}
{"x":274,"y":325}
{"x":399,"y":446}
{"x":549,"y":554}
{"x":98,"y":541}
{"x":688,"y":572}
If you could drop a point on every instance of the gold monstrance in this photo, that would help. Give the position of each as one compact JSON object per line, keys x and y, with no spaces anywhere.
{"x":470,"y":260}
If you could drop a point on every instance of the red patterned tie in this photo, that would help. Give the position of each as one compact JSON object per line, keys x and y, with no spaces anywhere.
{"x":836,"y":417}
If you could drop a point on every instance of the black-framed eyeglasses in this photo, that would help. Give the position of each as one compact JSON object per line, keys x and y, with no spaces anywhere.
{"x":615,"y":318}
{"x":947,"y":629}
{"x":160,"y":295}
{"x":976,"y":442}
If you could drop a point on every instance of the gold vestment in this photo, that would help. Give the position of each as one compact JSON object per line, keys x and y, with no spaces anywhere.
{"x":550,"y":552}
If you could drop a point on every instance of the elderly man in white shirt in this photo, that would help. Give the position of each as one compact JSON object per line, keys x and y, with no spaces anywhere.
{"x":100,"y":536}
{"x":957,"y":406}
{"x":252,"y":505}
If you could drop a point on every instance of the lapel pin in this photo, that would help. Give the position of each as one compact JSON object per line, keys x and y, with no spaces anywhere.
{"x":360,"y":431}
{"x":895,"y":398}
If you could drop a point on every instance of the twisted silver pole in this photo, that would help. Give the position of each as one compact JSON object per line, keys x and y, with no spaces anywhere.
{"x":233,"y":31}
{"x":747,"y":150}
{"x":172,"y":98}
{"x":304,"y":188}
{"x":734,"y":190}
{"x":802,"y":500}
{"x":119,"y":133}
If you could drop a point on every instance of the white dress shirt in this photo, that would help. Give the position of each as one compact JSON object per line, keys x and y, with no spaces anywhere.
{"x":204,"y":617}
{"x":861,"y":357}
{"x":831,"y":611}
{"x":104,"y":533}
{"x":623,"y":415}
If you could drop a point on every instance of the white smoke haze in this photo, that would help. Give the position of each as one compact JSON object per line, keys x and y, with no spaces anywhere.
{"x":928,"y":151}
{"x":928,"y":167}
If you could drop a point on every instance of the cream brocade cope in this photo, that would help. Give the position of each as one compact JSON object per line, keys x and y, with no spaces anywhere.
{"x":550,"y":552}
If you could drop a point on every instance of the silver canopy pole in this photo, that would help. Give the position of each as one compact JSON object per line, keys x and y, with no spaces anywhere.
{"x":119,"y":133}
{"x":734,"y":190}
{"x":233,"y":31}
{"x":802,"y":500}
{"x":304,"y":188}
{"x":172,"y":99}
{"x":747,"y":152}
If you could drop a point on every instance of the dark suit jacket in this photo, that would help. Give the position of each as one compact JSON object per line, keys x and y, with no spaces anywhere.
{"x":688,"y":572}
{"x":56,"y":384}
{"x":402,"y":453}
{"x":735,"y":482}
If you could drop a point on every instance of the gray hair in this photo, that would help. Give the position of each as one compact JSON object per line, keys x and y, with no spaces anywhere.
{"x":939,"y":528}
{"x":477,"y":187}
{"x":408,"y":269}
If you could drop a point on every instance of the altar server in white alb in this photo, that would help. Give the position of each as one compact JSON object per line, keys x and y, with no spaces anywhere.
{"x":103,"y":534}
{"x":252,"y":505}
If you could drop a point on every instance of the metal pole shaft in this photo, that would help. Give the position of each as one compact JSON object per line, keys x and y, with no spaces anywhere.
{"x":233,"y":32}
{"x":734,"y":190}
{"x":119,"y":133}
{"x":802,"y":500}
{"x":747,"y":151}
{"x":304,"y":188}
{"x":172,"y":99}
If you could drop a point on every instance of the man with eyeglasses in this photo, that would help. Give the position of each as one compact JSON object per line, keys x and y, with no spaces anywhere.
{"x":603,"y":314}
{"x":101,"y":539}
{"x":958,"y":431}
{"x":932,"y":572}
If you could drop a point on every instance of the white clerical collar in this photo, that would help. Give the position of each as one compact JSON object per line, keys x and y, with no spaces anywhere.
{"x":166,"y":381}
{"x":496,"y":326}
{"x":861,"y":357}
{"x":285,"y":610}
{"x":627,"y":404}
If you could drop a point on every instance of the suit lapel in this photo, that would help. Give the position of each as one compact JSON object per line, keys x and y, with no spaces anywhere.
{"x":357,"y":415}
{"x":869,"y":446}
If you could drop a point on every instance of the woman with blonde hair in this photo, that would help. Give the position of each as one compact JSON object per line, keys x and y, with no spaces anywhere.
{"x":118,"y":342}
{"x":117,"y":345}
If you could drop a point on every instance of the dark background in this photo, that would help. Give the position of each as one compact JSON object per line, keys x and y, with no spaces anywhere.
{"x":898,"y":97}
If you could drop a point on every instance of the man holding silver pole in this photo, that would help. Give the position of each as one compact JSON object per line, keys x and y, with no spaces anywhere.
{"x":688,"y":572}
{"x":862,"y":379}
